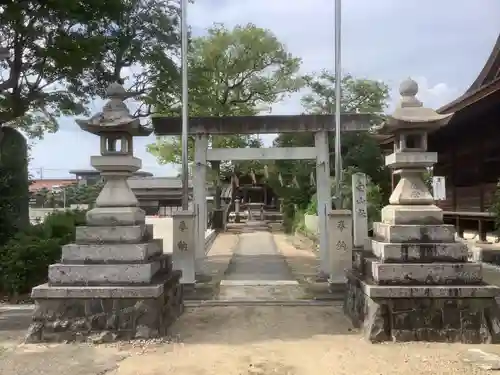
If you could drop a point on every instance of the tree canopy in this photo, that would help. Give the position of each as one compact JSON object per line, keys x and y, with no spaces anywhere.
{"x":61,"y":54}
{"x":359,"y":150}
{"x":239,"y":71}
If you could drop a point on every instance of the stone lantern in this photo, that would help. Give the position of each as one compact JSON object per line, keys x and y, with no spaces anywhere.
{"x":116,"y":129}
{"x":411,"y":202}
{"x":416,"y":283}
{"x":114,"y":282}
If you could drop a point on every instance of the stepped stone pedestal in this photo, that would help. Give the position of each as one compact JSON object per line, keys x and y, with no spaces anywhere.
{"x":114,"y":280}
{"x":416,"y":284}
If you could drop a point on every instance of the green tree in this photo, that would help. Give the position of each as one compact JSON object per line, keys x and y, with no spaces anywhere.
{"x":82,"y":194}
{"x":63,"y":54}
{"x":231,"y":72}
{"x":359,"y":150}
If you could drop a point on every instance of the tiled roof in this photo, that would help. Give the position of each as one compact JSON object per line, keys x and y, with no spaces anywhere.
{"x":50,"y":183}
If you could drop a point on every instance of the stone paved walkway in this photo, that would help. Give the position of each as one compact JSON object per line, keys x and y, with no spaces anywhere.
{"x":258,"y":271}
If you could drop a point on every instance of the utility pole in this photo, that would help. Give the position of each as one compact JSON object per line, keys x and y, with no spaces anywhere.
{"x":338,"y":103}
{"x":185,"y":105}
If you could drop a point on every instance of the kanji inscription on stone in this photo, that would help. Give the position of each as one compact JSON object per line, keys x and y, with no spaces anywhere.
{"x":360,"y":186}
{"x":362,"y":212}
{"x":341,"y":225}
{"x":341,"y":246}
{"x":182,"y":226}
{"x":182,"y":246}
{"x":415,"y":194}
{"x":360,"y":209}
{"x":360,"y":200}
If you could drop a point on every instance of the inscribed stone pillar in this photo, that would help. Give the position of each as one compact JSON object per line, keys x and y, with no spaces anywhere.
{"x":200,"y":193}
{"x":340,"y":236}
{"x":183,"y":246}
{"x":323,"y":193}
{"x":359,"y":209}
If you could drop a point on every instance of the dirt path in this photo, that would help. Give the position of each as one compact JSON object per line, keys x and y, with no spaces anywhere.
{"x":239,"y":340}
{"x":286,"y":341}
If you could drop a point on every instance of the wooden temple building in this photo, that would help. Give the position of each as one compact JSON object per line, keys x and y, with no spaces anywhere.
{"x":468,"y":150}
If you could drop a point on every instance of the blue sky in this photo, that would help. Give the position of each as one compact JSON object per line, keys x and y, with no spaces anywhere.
{"x":442,"y":44}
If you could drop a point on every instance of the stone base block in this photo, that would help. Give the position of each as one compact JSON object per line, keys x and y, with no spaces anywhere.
{"x":423,"y":273}
{"x":113,"y":234}
{"x":110,"y":253}
{"x":413,"y":233}
{"x":110,"y":216}
{"x":420,"y":252}
{"x":408,"y":215}
{"x":470,"y":320}
{"x":108,"y":274}
{"x":114,"y":316}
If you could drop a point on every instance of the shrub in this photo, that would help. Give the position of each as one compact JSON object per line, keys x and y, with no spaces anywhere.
{"x":312,"y":208}
{"x":61,"y":225}
{"x":25,"y":258}
{"x":24,"y":261}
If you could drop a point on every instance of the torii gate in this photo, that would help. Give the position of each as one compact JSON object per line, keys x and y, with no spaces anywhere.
{"x":320,"y":125}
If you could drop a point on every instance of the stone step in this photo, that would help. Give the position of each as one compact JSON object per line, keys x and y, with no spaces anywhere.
{"x":108,"y":274}
{"x":113,"y":234}
{"x":412,"y":215}
{"x":420,"y":252}
{"x":413,"y":233}
{"x":420,"y":291}
{"x":423,"y":273}
{"x":110,"y":253}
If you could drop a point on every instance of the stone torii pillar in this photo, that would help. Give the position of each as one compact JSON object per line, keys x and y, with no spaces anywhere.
{"x":323,"y":194}
{"x":200,"y":196}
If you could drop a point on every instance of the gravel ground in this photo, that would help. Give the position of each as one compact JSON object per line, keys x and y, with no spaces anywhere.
{"x":287,"y":341}
{"x":243,"y":340}
{"x":239,"y":340}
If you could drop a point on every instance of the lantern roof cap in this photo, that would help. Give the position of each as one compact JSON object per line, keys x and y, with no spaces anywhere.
{"x":115,"y":117}
{"x":411,"y":113}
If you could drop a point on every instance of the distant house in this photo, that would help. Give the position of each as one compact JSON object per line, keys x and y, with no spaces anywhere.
{"x":51,"y":184}
{"x":92,"y":176}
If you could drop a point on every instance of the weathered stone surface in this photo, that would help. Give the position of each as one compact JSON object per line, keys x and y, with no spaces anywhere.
{"x":46,"y":291}
{"x":112,"y":234}
{"x":104,"y":274}
{"x":111,"y":216}
{"x":384,"y":232}
{"x":423,"y":273}
{"x":416,"y":284}
{"x":420,"y":252}
{"x":398,"y":160}
{"x":416,"y":215}
{"x":421,"y":291}
{"x":466,"y":320}
{"x":375,"y":326}
{"x":77,"y":319}
{"x":110,"y":253}
{"x":411,"y":190}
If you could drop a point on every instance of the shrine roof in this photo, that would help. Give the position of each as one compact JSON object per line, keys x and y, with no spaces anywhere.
{"x":268,"y":124}
{"x":486,"y":84}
